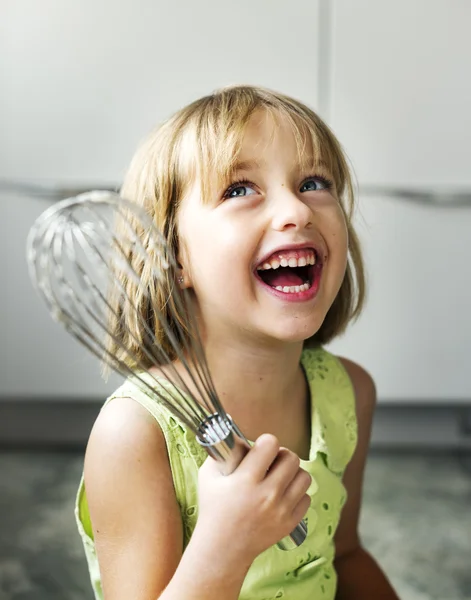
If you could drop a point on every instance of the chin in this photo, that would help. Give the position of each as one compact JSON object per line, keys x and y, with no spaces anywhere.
{"x":296,"y":334}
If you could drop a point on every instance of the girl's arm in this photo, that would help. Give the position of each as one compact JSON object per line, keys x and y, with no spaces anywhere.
{"x":137,"y":523}
{"x":359,"y":576}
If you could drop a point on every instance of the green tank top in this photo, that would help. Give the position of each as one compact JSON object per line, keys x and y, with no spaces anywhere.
{"x":306,"y":572}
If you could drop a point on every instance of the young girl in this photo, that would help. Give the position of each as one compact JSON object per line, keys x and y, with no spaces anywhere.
{"x":253,"y":192}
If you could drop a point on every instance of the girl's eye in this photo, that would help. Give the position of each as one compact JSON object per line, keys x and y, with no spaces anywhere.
{"x":315,"y":184}
{"x":240,"y":189}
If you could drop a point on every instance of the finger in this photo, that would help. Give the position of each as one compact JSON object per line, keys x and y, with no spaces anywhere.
{"x":283,"y":470}
{"x":260,"y":457}
{"x":298,"y":487}
{"x":300,"y":510}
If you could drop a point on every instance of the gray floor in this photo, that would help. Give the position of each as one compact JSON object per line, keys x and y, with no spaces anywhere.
{"x":416,"y":521}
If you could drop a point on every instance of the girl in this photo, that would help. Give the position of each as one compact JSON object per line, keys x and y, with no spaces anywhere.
{"x":252,"y":190}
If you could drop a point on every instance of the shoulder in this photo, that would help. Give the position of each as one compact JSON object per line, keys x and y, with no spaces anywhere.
{"x":126,"y":455}
{"x":123,"y":432}
{"x":364,"y":390}
{"x":345,"y":372}
{"x":126,"y":424}
{"x":363,"y":386}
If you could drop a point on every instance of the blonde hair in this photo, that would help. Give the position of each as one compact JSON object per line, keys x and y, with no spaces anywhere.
{"x":203,"y":140}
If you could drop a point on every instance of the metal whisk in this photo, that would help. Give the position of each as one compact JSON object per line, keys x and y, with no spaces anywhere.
{"x":82,"y":252}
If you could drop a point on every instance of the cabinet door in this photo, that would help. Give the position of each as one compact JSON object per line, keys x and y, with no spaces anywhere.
{"x":38,"y":358}
{"x":401,"y":90}
{"x":83,"y":82}
{"x":415,"y":333}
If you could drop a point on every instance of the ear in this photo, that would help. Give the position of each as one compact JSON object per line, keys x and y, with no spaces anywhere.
{"x":182,"y":279}
{"x":183,"y":276}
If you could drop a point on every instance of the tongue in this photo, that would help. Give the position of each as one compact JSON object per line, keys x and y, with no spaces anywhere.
{"x":284,"y":276}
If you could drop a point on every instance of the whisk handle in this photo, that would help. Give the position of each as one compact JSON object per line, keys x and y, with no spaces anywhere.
{"x":228,"y":451}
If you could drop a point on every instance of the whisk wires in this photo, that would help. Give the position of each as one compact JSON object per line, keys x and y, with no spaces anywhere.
{"x":83,"y":269}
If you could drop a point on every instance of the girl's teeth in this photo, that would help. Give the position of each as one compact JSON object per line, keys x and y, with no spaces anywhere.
{"x":293,"y":289}
{"x":292,"y":262}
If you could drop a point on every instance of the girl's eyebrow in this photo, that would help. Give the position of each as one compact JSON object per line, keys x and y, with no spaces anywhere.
{"x":252,"y":164}
{"x":317,"y":164}
{"x":247,"y":165}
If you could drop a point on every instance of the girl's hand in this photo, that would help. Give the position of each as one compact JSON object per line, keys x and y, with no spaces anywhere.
{"x":257,"y":505}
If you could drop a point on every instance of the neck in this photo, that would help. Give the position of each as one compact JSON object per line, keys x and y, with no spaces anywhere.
{"x":250,"y":379}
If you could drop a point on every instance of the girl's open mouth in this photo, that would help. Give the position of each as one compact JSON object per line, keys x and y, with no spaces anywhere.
{"x":294,"y":273}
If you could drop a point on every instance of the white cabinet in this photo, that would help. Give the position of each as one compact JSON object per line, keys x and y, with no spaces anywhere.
{"x":401,"y":90}
{"x":83,"y":82}
{"x":400,"y":101}
{"x":415,"y":333}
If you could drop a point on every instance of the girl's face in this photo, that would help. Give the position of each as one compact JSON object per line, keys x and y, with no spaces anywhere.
{"x":267,"y":255}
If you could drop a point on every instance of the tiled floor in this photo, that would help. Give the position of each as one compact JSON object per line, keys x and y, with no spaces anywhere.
{"x":416,"y":521}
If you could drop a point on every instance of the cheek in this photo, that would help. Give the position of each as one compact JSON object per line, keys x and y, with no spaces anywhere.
{"x":338,"y":228}
{"x":193,"y":241}
{"x":213,"y":258}
{"x":336,"y":233}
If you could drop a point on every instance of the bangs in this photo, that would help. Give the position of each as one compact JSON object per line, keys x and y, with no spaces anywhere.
{"x":210,"y":144}
{"x":211,"y":141}
{"x":317,"y":149}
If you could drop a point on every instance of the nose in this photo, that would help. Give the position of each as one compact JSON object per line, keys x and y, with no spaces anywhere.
{"x":290,"y":212}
